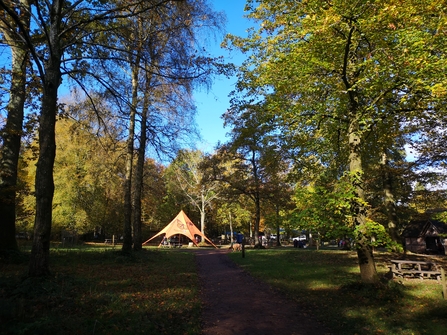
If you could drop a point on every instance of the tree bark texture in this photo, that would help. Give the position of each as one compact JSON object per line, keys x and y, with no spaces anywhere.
{"x":138,"y":179}
{"x":257,"y":200}
{"x":127,"y":230}
{"x":44,"y":184}
{"x":202,"y":210}
{"x":139,"y":169}
{"x":278,"y":221}
{"x":12,"y":134}
{"x":368,"y":272}
{"x":389,"y":201}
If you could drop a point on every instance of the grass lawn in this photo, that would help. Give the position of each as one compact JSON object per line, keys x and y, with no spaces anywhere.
{"x":326,"y":283}
{"x":95,"y":290}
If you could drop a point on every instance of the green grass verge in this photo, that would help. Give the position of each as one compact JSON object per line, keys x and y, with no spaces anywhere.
{"x":326,"y":284}
{"x":98,"y":291}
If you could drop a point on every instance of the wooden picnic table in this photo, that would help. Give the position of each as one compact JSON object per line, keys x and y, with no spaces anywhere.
{"x":414,"y":269}
{"x":169,"y":244}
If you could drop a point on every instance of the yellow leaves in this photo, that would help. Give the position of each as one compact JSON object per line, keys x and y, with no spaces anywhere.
{"x":439,"y":90}
{"x":391,"y":10}
{"x":312,"y":18}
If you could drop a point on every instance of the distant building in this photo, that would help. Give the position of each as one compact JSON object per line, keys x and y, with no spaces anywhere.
{"x":425,"y":237}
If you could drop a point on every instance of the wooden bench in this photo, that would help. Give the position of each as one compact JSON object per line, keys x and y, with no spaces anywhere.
{"x":414,"y":269}
{"x":170,"y":245}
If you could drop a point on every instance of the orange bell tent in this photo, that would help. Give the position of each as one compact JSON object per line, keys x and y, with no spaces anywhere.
{"x":181,"y":225}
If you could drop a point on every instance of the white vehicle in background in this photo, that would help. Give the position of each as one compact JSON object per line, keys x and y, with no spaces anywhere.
{"x":300,"y":238}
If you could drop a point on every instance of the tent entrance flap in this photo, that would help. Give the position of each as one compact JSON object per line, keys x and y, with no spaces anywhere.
{"x":181,"y":225}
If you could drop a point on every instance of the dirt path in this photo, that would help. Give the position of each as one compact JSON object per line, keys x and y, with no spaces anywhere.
{"x":237,"y":303}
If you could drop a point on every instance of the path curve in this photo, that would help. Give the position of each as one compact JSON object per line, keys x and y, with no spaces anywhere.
{"x":237,"y":303}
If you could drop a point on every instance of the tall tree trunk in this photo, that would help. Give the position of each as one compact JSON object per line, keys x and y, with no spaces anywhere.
{"x":389,"y":200}
{"x":127,"y":238}
{"x":368,"y":272}
{"x":257,"y":219}
{"x":257,"y":199}
{"x":12,"y":133}
{"x":202,"y":210}
{"x":278,"y":240}
{"x":138,"y":179}
{"x":231,"y":228}
{"x":127,"y":231}
{"x":365,"y":256}
{"x":44,"y":185}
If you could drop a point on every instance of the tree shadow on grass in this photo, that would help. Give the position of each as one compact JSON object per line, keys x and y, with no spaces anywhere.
{"x":99,"y":292}
{"x":327,"y":285}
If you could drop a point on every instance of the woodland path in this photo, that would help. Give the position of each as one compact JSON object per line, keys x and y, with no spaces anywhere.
{"x":237,"y":303}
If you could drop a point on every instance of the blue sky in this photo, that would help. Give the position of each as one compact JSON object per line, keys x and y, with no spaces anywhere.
{"x":213,"y":103}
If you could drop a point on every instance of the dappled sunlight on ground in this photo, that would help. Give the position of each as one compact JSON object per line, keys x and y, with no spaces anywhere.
{"x":329,"y":281}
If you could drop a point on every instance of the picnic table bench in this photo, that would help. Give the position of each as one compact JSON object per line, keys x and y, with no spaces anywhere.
{"x":414,"y":269}
{"x":109,"y":241}
{"x":168,"y":244}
